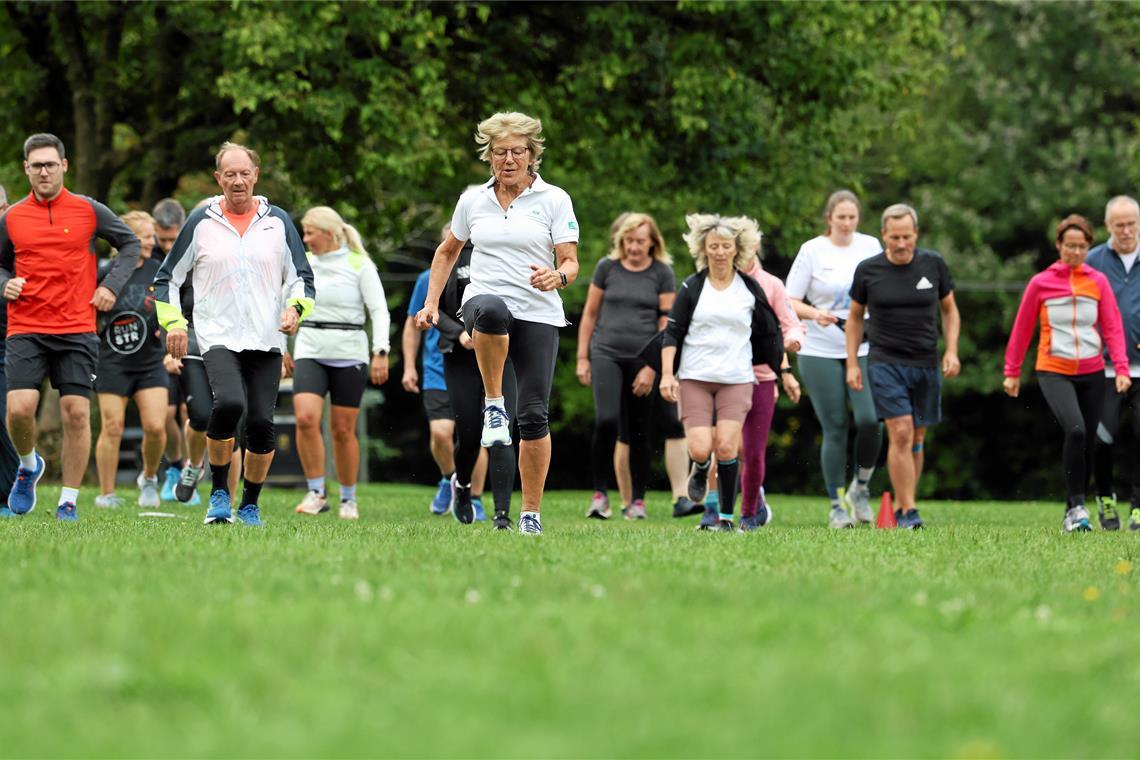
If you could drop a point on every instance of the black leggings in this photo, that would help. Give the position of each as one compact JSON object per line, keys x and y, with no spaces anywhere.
{"x":616,"y":407}
{"x":196,"y":391}
{"x":465,"y":392}
{"x":243,"y":381}
{"x":1106,"y":433}
{"x":1076,"y":403}
{"x":533,"y":349}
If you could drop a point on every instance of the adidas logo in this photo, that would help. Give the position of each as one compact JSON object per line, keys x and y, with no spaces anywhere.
{"x":923,"y":284}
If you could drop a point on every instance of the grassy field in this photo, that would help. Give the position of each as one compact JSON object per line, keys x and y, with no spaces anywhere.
{"x":988,"y":634}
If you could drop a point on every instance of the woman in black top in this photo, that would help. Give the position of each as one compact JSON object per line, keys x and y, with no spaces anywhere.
{"x":630,"y":294}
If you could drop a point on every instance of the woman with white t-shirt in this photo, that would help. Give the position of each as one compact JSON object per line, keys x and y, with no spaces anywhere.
{"x":525,"y":241}
{"x":818,"y":286}
{"x":721,"y":325}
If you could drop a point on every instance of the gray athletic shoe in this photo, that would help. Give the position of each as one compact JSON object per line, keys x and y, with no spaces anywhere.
{"x":858,"y":500}
{"x":1076,"y":520}
{"x":840,"y":518}
{"x":148,"y":492}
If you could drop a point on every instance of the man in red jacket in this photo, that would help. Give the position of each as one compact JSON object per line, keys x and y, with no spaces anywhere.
{"x":48,"y":276}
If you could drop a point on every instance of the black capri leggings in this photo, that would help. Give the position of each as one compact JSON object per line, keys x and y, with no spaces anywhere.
{"x":615,"y":407}
{"x":533,"y":349}
{"x":1106,"y":433}
{"x":465,"y":392}
{"x":1076,"y":403}
{"x":243,"y":381}
{"x":195,"y":387}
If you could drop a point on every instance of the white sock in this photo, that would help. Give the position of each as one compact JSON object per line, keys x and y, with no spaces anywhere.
{"x":28,"y":461}
{"x":68,"y":495}
{"x":496,"y":401}
{"x":317,"y":484}
{"x":348,"y":493}
{"x":863,"y":475}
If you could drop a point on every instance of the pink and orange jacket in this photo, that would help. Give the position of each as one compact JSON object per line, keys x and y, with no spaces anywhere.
{"x":1078,"y":316}
{"x":790,"y":325}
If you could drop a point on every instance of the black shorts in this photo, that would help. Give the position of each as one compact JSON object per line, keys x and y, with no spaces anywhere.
{"x":437,"y":405}
{"x":345,"y":385}
{"x":67,"y":360}
{"x":112,"y":378}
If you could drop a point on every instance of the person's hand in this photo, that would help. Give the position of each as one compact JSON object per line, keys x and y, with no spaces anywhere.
{"x":103,"y":299}
{"x":544,"y":278}
{"x":177,"y":342}
{"x":823,"y":318}
{"x":171,"y":365}
{"x":427,"y":317}
{"x":643,"y":381}
{"x":854,"y":378}
{"x":287,"y":365}
{"x":411,"y":380}
{"x":792,"y":346}
{"x":791,"y":386}
{"x":1123,"y":383}
{"x":379,"y":369}
{"x":13,"y":287}
{"x":950,"y":364}
{"x":670,"y":388}
{"x":1011,"y":386}
{"x":583,"y":370}
{"x":466,"y":341}
{"x":290,"y":321}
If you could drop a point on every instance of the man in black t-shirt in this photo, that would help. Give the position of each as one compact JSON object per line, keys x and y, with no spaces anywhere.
{"x":901,"y":293}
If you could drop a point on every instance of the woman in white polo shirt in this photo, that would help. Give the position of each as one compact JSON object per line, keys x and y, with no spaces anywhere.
{"x":818,"y":286}
{"x":525,"y":241}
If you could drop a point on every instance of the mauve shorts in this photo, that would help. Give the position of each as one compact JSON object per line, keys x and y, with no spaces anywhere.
{"x":703,"y":403}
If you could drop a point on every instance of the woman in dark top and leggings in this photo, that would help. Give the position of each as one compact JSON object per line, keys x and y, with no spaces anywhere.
{"x":629,"y":297}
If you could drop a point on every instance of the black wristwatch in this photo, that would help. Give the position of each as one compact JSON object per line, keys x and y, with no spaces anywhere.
{"x":380,"y":353}
{"x":785,"y":370}
{"x":563,"y":276}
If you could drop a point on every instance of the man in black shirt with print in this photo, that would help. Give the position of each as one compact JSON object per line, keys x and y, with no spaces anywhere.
{"x":900,"y":293}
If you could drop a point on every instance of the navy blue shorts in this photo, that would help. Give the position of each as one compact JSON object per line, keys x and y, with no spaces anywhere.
{"x":900,"y":390}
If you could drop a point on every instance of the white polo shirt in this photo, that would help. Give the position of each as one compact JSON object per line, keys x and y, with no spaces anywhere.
{"x":507,"y":242}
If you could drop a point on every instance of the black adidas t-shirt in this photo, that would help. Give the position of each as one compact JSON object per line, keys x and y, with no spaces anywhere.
{"x":902,"y":306}
{"x":129,"y":337}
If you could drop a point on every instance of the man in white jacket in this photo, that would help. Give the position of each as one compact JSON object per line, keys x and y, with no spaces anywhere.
{"x":241,"y":254}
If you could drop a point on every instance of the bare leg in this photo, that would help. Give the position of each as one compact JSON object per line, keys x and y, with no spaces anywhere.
{"x":443,"y":445}
{"x":308,"y":408}
{"x":491,"y":353}
{"x":152,"y":414}
{"x":677,"y":466}
{"x":346,"y":446}
{"x":479,"y":473}
{"x":22,"y":419}
{"x":257,"y":466}
{"x":901,"y":461}
{"x":534,"y":463}
{"x":112,"y":410}
{"x":75,"y":412}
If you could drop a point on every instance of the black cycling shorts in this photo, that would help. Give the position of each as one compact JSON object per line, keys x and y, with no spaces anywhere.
{"x":345,"y":385}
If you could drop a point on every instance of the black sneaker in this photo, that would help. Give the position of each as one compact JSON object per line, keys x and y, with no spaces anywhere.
{"x":462,"y":508}
{"x":501,"y":521}
{"x":698,"y":483}
{"x":686,"y":507}
{"x":709,"y":519}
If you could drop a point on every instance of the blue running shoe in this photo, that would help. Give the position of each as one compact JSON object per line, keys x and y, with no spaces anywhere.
{"x":5,"y":512}
{"x":477,"y":505}
{"x":441,"y":503}
{"x":173,"y":475}
{"x":910,"y":520}
{"x":250,"y":515}
{"x":709,"y":520}
{"x":22,"y":498}
{"x":66,"y":512}
{"x":219,"y":511}
{"x":762,"y":517}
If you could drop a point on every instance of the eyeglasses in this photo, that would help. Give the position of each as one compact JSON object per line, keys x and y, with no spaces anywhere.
{"x":501,"y":153}
{"x":51,"y":167}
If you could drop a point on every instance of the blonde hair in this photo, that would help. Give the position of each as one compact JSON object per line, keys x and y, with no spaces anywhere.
{"x":630,"y":221}
{"x":511,"y":124}
{"x":136,"y":219}
{"x":328,"y":220}
{"x":743,"y":231}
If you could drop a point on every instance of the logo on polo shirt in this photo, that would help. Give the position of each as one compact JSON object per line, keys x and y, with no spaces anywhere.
{"x":572,"y":225}
{"x":923,"y":284}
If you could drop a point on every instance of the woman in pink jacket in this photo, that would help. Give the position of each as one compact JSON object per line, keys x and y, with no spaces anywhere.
{"x":1078,"y":315}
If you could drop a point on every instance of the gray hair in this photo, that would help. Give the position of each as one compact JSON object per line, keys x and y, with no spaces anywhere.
{"x":168,"y":213}
{"x":898,"y":211}
{"x":227,"y":146}
{"x":44,"y":140}
{"x":743,"y":231}
{"x":1120,"y":200}
{"x":510,"y":124}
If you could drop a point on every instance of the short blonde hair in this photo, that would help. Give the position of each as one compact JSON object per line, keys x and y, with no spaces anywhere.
{"x":511,"y":124}
{"x":328,"y":220}
{"x":630,"y":221}
{"x":741,"y":229}
{"x":136,"y":219}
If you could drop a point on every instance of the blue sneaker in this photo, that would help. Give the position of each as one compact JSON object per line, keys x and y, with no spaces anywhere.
{"x":910,"y":520}
{"x":66,"y":512}
{"x":477,"y":505}
{"x":5,"y":512}
{"x":250,"y":515}
{"x":441,"y":504}
{"x":762,"y":517}
{"x":709,"y":520}
{"x":173,"y":474}
{"x":219,"y":511}
{"x":22,"y":497}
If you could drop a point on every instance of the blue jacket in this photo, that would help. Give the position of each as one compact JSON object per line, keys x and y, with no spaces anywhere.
{"x":1126,"y":288}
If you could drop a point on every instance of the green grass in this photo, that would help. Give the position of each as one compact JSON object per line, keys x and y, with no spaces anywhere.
{"x":988,"y":634}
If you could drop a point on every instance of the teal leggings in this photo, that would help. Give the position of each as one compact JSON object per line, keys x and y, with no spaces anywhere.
{"x":826,"y":384}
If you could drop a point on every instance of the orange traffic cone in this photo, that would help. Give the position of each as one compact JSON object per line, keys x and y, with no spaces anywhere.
{"x":886,"y":513}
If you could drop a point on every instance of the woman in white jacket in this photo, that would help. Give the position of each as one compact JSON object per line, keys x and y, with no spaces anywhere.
{"x":331,"y":355}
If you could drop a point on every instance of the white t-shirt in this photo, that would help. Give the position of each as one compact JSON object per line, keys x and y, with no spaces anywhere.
{"x":821,"y":275}
{"x":718,"y":346}
{"x":507,"y":242}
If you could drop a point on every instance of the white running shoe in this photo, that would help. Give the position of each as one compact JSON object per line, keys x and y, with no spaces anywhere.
{"x":108,"y":501}
{"x":348,"y":510}
{"x":148,"y":491}
{"x":313,"y":504}
{"x":1076,"y":520}
{"x":858,"y":500}
{"x":496,"y":428}
{"x":529,"y":524}
{"x":839,"y":518}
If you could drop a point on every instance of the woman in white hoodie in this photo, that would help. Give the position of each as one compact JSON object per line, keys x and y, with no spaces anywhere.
{"x":332,"y":356}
